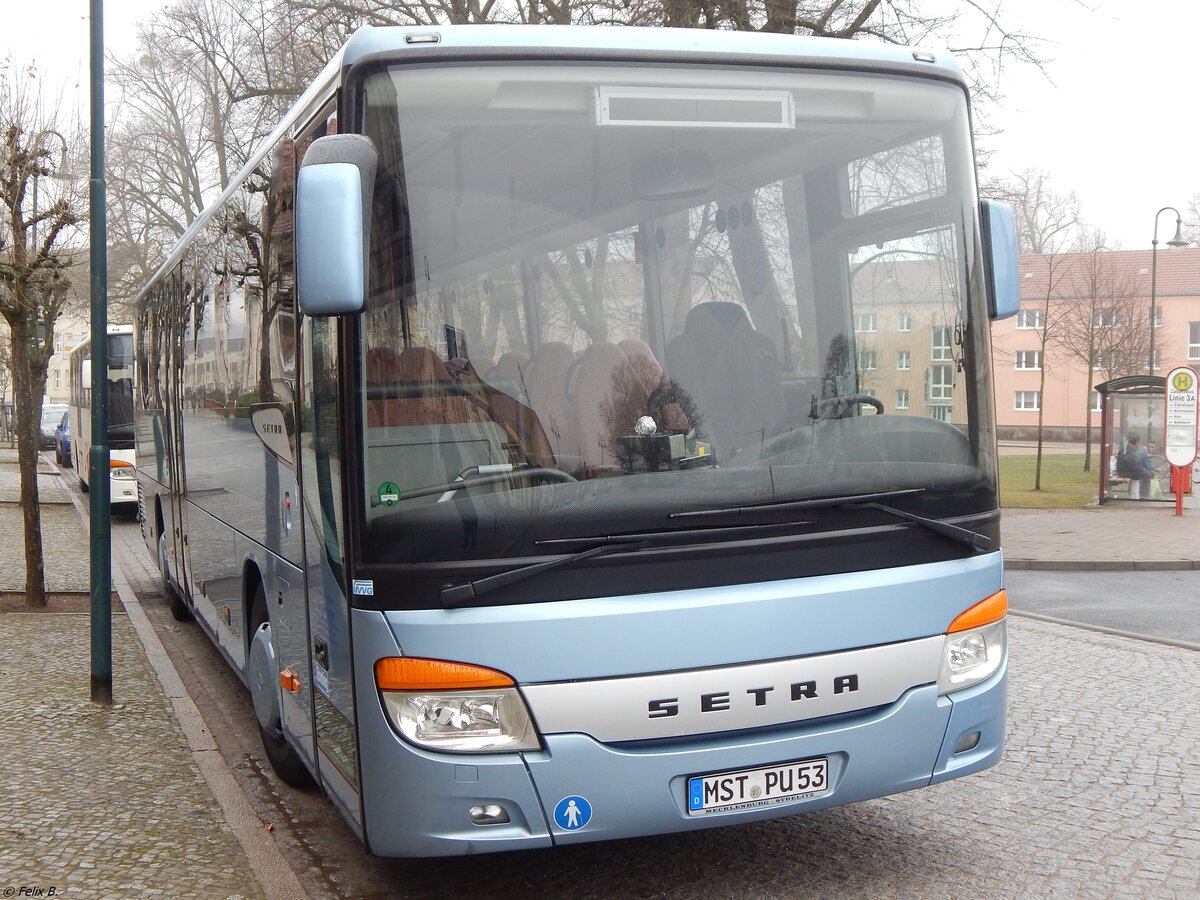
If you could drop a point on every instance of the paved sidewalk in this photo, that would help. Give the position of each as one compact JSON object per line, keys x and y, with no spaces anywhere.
{"x":101,"y":802}
{"x":96,"y":802}
{"x":1116,"y":536}
{"x":65,"y":553}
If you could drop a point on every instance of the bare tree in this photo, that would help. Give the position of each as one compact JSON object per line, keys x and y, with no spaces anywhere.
{"x":211,"y":79}
{"x":1105,"y":325}
{"x":35,"y":280}
{"x":1192,"y":223}
{"x":1052,"y":271}
{"x":974,"y":30}
{"x":1046,"y":220}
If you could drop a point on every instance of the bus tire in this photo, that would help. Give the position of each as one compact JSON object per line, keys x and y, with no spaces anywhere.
{"x":262,"y":675}
{"x":179,"y":607}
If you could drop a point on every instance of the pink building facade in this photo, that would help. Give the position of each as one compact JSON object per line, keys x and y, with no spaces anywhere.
{"x":1111,"y":288}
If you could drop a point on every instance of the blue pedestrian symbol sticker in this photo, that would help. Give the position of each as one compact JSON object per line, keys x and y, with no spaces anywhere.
{"x":572,"y":813}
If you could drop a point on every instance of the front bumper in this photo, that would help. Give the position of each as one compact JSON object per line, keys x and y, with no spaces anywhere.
{"x":419,"y":805}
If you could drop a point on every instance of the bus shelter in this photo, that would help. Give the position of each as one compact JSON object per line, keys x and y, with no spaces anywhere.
{"x":1132,"y":415}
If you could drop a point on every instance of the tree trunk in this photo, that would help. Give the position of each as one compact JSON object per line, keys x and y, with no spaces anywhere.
{"x":1087,"y":434}
{"x":1037,"y":471}
{"x":27,"y":395}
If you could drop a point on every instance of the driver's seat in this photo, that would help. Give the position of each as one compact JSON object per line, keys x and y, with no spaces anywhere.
{"x":731,"y":373}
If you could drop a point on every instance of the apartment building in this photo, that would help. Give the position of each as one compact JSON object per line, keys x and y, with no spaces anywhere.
{"x":1097,"y":300}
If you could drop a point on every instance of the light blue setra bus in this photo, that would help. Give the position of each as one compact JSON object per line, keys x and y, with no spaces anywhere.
{"x":581,"y":433}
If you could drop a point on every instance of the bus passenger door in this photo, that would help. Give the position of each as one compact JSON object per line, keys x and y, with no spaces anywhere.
{"x":174,"y":529}
{"x":320,"y":464}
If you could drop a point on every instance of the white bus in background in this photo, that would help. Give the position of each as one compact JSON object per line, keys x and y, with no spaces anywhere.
{"x":120,"y":414}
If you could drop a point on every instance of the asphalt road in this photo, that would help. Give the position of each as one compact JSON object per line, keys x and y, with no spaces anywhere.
{"x":1096,"y":797}
{"x":1163,"y":605}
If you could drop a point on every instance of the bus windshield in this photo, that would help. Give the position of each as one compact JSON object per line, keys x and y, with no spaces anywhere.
{"x":605,"y":295}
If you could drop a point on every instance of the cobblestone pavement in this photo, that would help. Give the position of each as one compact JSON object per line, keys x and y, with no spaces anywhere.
{"x":1099,"y":790}
{"x":101,"y":802}
{"x":66,"y":572}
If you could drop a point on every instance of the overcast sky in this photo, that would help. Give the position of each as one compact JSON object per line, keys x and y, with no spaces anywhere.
{"x":1115,"y":125}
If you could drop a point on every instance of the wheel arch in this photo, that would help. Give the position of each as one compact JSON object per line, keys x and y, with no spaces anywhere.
{"x":252,"y":580}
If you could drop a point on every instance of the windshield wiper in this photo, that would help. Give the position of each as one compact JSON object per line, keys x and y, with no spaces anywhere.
{"x":814,"y":503}
{"x":459,"y":594}
{"x":973,"y":539}
{"x":979,"y":542}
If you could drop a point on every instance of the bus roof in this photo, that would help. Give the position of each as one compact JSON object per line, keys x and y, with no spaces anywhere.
{"x":609,"y":40}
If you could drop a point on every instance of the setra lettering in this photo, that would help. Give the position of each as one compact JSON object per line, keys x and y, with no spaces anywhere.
{"x":723,"y":701}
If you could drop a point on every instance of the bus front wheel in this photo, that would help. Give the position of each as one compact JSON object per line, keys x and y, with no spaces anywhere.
{"x":262,"y":674}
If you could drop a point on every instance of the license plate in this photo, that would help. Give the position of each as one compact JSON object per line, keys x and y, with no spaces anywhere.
{"x":751,"y":788}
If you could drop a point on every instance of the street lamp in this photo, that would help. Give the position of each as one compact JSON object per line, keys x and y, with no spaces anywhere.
{"x":1176,"y":241}
{"x":59,"y":173}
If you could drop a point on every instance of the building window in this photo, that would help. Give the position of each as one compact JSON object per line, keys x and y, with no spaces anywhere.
{"x":865,"y":322}
{"x":1027,"y":400}
{"x":941,"y":342}
{"x":903,"y":360}
{"x":1109,"y":360}
{"x":866,"y":360}
{"x":1095,"y":401}
{"x":1193,"y":340}
{"x":1029,"y":318}
{"x":1154,"y":360}
{"x":901,"y":398}
{"x":1029,"y":359}
{"x":941,"y":382}
{"x":904,"y":322}
{"x":1156,"y":317}
{"x":867,"y":392}
{"x":1105,"y":318}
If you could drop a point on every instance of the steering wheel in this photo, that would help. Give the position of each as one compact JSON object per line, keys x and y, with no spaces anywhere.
{"x":839,"y":407}
{"x":842,"y":406}
{"x":539,"y":473}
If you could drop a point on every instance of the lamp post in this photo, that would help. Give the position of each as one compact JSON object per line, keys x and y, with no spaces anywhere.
{"x":1176,"y":241}
{"x":98,"y":458}
{"x":57,"y":173}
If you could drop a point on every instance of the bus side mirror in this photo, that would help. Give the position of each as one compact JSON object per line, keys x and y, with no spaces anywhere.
{"x":1001,"y":269}
{"x":333,"y":208}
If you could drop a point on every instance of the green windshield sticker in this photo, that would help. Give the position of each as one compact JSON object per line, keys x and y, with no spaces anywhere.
{"x":389,"y":493}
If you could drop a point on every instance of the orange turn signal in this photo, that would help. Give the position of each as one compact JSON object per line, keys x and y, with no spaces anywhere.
{"x":405,"y":673}
{"x":119,"y":464}
{"x":993,"y":609}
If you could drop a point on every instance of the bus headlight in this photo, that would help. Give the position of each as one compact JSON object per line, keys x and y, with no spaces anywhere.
{"x":468,"y":722}
{"x":454,"y":707}
{"x":976,"y":642}
{"x":118,"y":469}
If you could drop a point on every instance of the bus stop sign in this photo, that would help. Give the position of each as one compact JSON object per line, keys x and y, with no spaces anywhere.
{"x":1179,"y":441}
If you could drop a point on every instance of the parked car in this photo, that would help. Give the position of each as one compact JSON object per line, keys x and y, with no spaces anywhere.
{"x":52,"y":414}
{"x":62,"y":441}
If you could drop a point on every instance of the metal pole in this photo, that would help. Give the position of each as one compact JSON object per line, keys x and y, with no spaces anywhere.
{"x":1176,"y":241}
{"x":98,"y":477}
{"x":1153,"y":292}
